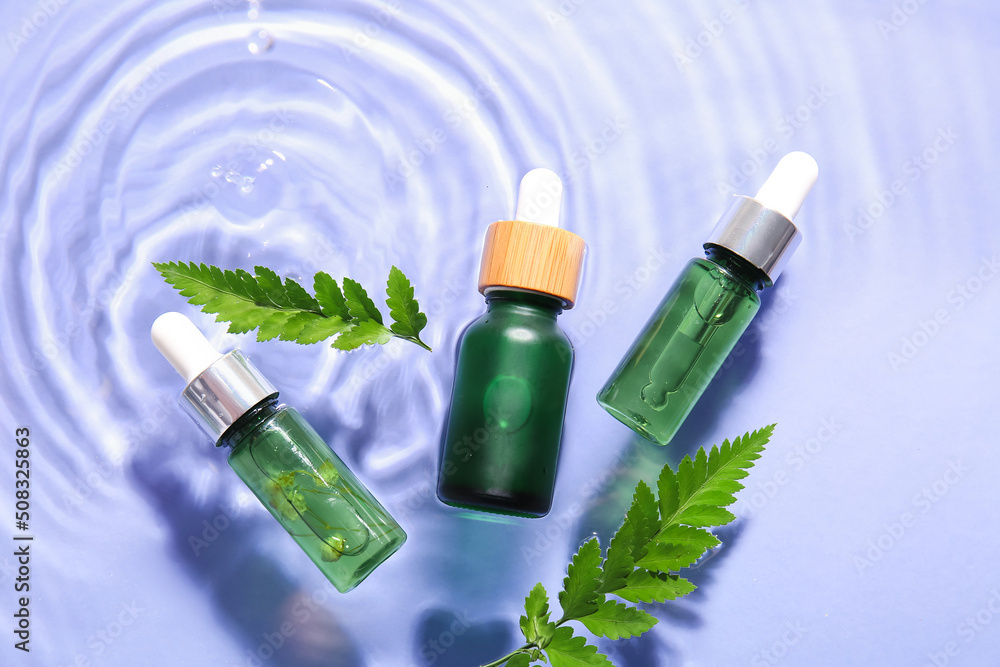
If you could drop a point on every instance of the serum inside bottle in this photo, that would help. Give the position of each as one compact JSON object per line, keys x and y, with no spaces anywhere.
{"x":704,"y":313}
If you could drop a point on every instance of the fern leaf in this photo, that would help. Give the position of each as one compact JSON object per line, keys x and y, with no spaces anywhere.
{"x":615,"y":620}
{"x":359,"y":304}
{"x":366,"y":332}
{"x":329,"y":296}
{"x":403,"y":307}
{"x":568,"y":650}
{"x":646,"y":586}
{"x":704,"y":485}
{"x":579,"y":596}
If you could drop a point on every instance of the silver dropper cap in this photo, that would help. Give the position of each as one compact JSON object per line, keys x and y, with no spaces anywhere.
{"x":221,"y":387}
{"x":223,"y":393}
{"x":760,"y":229}
{"x":758,"y":234}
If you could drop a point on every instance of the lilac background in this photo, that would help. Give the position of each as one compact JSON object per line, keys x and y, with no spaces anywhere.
{"x":396,"y":132}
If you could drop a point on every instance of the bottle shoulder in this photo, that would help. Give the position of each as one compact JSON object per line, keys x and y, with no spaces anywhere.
{"x":253,"y":422}
{"x":523,"y":318}
{"x":703,"y":270}
{"x":516,"y":328}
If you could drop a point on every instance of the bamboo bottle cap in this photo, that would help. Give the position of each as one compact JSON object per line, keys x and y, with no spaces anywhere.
{"x":532,"y":252}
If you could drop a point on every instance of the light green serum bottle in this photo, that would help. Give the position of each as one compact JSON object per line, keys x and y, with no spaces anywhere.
{"x":287,"y":465}
{"x":708,"y":308}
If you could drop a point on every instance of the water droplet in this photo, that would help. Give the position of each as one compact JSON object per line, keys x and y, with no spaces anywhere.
{"x":253,"y":12}
{"x":251,"y":196}
{"x":217,"y":171}
{"x":260,"y":42}
{"x":592,"y":536}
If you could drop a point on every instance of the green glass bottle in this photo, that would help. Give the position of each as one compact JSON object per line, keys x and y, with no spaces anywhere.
{"x":682,"y":346}
{"x":703,"y":315}
{"x":309,"y":490}
{"x":506,"y":418}
{"x":501,"y":442}
{"x":280,"y":457}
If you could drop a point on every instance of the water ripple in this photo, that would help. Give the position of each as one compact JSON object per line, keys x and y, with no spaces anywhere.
{"x":347,"y":139}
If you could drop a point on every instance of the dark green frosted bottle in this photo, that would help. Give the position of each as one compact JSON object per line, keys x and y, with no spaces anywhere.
{"x":685,"y":342}
{"x":292,"y":471}
{"x":501,"y":442}
{"x":507,"y":409}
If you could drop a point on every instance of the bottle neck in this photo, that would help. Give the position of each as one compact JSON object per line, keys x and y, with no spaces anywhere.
{"x":752,"y":276}
{"x":249,"y":421}
{"x":224,"y":392}
{"x":501,"y":301}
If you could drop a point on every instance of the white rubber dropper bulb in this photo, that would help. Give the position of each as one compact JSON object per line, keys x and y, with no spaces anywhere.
{"x":539,"y":199}
{"x":183,"y":345}
{"x":789,"y":184}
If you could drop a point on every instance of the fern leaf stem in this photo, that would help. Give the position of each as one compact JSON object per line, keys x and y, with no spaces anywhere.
{"x":500,"y":661}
